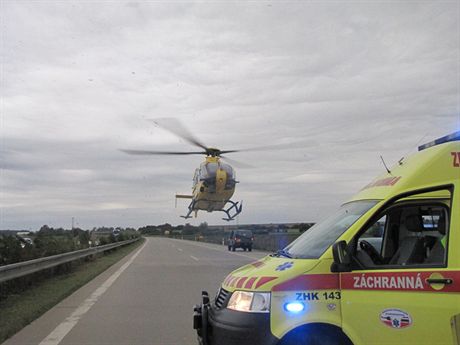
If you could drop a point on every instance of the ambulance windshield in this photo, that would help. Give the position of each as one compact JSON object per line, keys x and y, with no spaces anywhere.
{"x":314,"y":242}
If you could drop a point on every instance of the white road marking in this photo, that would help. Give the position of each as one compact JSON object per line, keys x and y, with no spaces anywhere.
{"x":194,"y":258}
{"x":180,"y":249}
{"x":56,"y":336}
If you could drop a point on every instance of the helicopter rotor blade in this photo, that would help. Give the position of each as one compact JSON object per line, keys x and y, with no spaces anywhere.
{"x":148,"y":152}
{"x":285,"y":146}
{"x":228,"y":151}
{"x":174,"y":126}
{"x":236,"y":163}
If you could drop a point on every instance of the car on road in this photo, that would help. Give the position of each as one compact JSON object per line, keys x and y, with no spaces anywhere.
{"x":240,"y":239}
{"x":383,"y":269}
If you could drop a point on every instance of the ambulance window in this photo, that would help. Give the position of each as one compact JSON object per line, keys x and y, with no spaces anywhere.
{"x":314,"y":242}
{"x":374,"y":235}
{"x":431,"y":221}
{"x":411,"y":232}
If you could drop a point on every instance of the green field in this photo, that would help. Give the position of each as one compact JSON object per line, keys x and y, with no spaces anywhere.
{"x":20,"y":309}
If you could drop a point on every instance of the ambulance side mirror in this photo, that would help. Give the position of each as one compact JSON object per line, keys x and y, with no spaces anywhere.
{"x":342,"y":259}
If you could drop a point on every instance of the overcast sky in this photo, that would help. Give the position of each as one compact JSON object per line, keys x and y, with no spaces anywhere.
{"x":79,"y":80}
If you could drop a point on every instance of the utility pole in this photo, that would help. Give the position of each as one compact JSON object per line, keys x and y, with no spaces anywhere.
{"x":73,"y":222}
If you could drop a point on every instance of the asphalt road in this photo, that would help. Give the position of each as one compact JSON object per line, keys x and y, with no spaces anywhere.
{"x":146,"y":298}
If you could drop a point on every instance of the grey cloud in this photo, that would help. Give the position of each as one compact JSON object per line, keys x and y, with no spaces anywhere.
{"x":80,"y":80}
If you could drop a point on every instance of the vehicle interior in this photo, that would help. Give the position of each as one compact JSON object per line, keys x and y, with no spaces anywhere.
{"x":408,"y":233}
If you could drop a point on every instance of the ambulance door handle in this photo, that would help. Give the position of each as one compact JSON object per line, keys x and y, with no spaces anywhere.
{"x":446,"y":281}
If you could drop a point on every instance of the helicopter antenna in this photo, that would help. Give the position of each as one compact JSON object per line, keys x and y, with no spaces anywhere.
{"x":384,"y":164}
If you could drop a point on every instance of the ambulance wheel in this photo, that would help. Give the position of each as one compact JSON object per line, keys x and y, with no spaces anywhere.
{"x":245,"y":248}
{"x":318,"y":334}
{"x":250,"y":248}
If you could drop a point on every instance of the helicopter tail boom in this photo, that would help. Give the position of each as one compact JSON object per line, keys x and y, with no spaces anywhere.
{"x":182,"y":196}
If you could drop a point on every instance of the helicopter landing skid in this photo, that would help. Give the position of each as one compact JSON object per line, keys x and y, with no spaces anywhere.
{"x":190,"y":210}
{"x":238,"y":209}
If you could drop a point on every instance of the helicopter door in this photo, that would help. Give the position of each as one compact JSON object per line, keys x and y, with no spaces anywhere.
{"x":196,"y":177}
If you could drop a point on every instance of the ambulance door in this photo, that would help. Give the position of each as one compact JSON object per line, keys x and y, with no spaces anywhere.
{"x":401,"y":289}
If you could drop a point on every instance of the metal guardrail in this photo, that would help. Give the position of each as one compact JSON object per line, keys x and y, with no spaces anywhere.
{"x":23,"y":268}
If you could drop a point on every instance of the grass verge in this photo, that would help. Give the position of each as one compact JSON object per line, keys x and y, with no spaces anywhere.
{"x":17,"y":311}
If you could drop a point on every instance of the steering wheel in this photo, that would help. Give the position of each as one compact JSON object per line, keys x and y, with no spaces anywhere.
{"x":370,"y":250}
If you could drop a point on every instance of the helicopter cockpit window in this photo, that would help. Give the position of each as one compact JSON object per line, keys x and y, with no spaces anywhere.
{"x":209,"y":170}
{"x":228,"y":169}
{"x":212,"y":169}
{"x":203,"y":172}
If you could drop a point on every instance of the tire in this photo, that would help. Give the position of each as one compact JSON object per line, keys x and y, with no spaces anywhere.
{"x":245,"y":248}
{"x":250,"y":248}
{"x":316,"y":335}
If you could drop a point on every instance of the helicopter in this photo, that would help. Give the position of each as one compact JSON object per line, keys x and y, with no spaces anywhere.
{"x":214,"y":181}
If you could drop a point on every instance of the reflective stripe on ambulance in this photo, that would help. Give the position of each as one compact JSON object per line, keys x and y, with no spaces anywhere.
{"x":425,"y":281}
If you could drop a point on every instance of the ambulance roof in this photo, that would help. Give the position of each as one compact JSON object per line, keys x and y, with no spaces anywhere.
{"x":437,"y":163}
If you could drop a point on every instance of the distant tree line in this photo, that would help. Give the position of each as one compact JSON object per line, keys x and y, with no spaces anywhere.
{"x":168,"y":229}
{"x":51,"y":241}
{"x":203,"y":229}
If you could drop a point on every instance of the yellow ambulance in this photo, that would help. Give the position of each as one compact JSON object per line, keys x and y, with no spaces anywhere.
{"x":384,"y":269}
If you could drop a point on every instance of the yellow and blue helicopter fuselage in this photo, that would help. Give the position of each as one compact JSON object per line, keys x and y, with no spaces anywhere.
{"x":213,"y":186}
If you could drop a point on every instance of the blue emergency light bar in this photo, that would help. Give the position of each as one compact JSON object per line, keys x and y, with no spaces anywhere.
{"x":451,"y":137}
